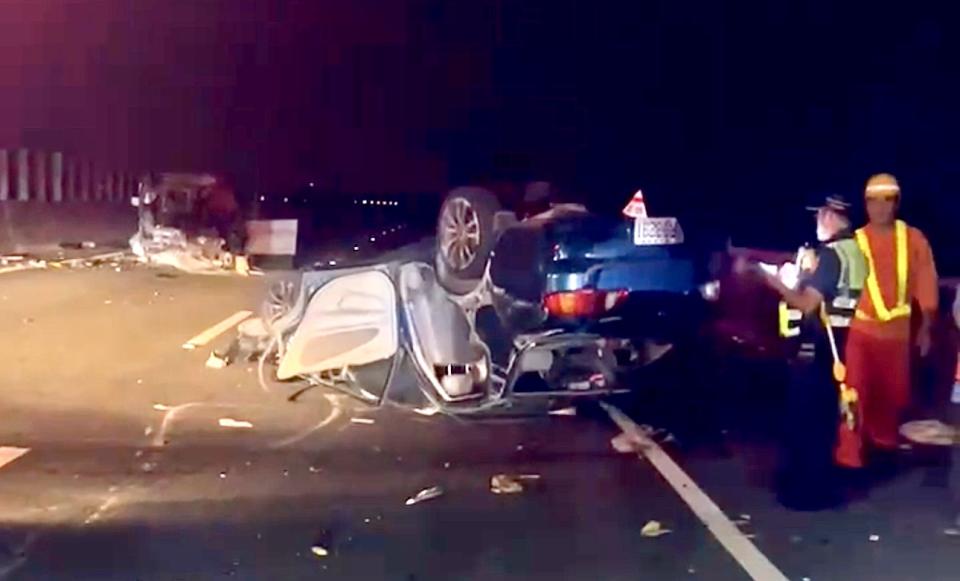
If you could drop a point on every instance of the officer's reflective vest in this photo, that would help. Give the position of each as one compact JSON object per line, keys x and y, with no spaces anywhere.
{"x":902,"y":307}
{"x":853,"y":273}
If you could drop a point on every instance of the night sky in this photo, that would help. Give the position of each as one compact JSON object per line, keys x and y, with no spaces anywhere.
{"x":736,"y":107}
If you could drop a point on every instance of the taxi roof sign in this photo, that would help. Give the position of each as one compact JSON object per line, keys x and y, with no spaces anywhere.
{"x":636,"y":208}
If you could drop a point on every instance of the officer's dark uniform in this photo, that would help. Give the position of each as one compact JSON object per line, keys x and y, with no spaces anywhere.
{"x":807,"y":476}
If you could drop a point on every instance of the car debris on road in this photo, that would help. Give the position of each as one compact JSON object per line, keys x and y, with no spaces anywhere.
{"x":654,"y":529}
{"x":217,"y":361}
{"x":511,"y":483}
{"x":364,"y":421}
{"x":425,"y":495}
{"x":232,"y":423}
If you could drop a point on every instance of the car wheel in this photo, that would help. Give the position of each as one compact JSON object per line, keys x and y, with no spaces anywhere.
{"x":282,"y":297}
{"x":465,"y":238}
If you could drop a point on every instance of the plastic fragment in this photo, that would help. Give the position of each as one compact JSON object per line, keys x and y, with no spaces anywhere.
{"x":319,"y":550}
{"x":216,"y":361}
{"x":874,"y":538}
{"x":511,"y":483}
{"x":425,"y":495}
{"x":232,"y":423}
{"x":654,"y":529}
{"x":365,"y":421}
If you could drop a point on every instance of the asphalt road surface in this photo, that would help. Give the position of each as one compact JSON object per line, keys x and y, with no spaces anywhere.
{"x":115,"y":465}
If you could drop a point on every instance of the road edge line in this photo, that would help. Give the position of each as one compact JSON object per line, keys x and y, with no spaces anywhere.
{"x":736,"y":543}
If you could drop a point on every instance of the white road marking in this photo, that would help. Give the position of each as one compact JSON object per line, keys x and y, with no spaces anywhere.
{"x":754,"y":562}
{"x":223,"y":326}
{"x":10,"y":453}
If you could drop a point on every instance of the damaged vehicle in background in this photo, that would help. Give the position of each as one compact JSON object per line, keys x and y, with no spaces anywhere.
{"x":560,"y":305}
{"x":187,"y":221}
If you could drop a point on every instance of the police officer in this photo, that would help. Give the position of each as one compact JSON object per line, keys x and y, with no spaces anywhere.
{"x":826,"y":292}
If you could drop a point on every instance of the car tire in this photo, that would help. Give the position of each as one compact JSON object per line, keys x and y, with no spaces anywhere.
{"x":465,"y":238}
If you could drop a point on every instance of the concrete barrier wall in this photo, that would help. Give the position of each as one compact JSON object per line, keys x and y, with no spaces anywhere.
{"x":36,"y":226}
{"x":48,"y":198}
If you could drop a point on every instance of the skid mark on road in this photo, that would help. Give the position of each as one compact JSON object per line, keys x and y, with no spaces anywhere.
{"x":216,"y":330}
{"x":160,"y":437}
{"x":754,"y":562}
{"x":10,"y":453}
{"x":335,"y":412}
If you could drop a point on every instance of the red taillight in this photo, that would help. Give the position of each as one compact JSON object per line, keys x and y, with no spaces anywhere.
{"x":583,"y":303}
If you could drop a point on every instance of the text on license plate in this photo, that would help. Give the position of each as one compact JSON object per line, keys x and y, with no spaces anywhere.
{"x":657,"y":231}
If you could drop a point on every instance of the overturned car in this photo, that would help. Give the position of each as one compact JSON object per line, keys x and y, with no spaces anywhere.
{"x":568,"y":304}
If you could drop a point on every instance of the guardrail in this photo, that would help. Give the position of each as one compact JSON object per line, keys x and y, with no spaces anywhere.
{"x":44,"y":176}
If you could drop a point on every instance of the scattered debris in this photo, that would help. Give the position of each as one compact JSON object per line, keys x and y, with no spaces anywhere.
{"x":88,"y":244}
{"x":446,"y":465}
{"x":626,"y":443}
{"x":314,"y":470}
{"x":874,"y":538}
{"x":148,"y":466}
{"x":148,"y":430}
{"x":654,"y":529}
{"x":217,"y":361}
{"x":162,"y":407}
{"x":930,"y":432}
{"x":511,"y":483}
{"x":428,"y":411}
{"x":425,"y":495}
{"x":223,"y":474}
{"x":232,"y":423}
{"x":319,"y":550}
{"x":568,"y":411}
{"x":365,"y":421}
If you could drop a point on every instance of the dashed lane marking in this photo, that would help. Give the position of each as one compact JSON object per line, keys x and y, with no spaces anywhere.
{"x":216,"y":330}
{"x":754,"y":562}
{"x":10,"y":453}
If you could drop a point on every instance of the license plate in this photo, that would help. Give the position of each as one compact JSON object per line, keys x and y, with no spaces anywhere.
{"x":657,"y":231}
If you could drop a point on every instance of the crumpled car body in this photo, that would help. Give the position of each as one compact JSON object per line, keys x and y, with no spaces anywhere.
{"x":391,"y":333}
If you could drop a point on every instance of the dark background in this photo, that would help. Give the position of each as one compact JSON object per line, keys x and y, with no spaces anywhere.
{"x":744,"y":110}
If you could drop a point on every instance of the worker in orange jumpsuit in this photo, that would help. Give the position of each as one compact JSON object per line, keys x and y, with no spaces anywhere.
{"x":901,"y":277}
